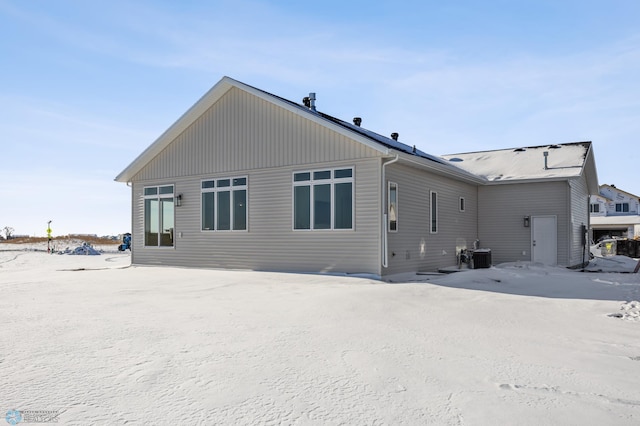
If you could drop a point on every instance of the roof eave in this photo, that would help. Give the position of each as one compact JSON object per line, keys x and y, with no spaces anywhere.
{"x":531,"y":180}
{"x":180,"y":125}
{"x":442,"y":169}
{"x":620,"y":190}
{"x":590,"y":172}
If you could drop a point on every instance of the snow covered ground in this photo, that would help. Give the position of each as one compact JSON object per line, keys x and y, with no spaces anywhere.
{"x":102,"y":343}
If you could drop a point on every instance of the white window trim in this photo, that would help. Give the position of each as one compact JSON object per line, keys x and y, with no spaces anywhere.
{"x":390,"y":183}
{"x":230,"y":189}
{"x":431,"y":212}
{"x":158,"y":196}
{"x":462,"y":204}
{"x":331,"y":182}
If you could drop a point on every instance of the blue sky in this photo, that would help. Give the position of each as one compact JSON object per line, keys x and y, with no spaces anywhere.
{"x":86,"y":86}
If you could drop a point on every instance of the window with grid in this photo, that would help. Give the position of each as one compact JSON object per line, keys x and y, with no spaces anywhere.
{"x":323,"y":199}
{"x":224,"y":204}
{"x":158,"y":216}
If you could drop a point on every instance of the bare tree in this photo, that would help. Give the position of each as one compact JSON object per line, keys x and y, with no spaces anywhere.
{"x":8,"y":232}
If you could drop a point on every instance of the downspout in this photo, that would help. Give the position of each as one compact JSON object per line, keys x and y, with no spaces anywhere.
{"x":130,"y":185}
{"x":385,"y":251}
{"x":586,"y":237}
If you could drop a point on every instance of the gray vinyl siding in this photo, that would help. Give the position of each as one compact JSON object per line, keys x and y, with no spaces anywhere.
{"x":242,"y":135}
{"x":579,"y":216}
{"x":270,"y":242}
{"x":454,"y":227}
{"x":502,"y":209}
{"x":244,"y":132}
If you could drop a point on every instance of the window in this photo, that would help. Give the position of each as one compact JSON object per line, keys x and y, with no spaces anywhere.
{"x":461,"y":204}
{"x":622,"y":207}
{"x":224,"y":204}
{"x":158,"y":216}
{"x":594,"y":208}
{"x":434,"y":211}
{"x":392,"y":202}
{"x":323,"y":199}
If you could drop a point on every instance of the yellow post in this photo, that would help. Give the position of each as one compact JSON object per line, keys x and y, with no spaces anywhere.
{"x":49,"y":237}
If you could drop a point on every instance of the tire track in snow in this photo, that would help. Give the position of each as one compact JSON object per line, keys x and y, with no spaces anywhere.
{"x":557,"y":391}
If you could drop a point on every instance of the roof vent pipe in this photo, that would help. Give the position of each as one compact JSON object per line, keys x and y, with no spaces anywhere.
{"x":546,"y":157}
{"x":357,"y":121}
{"x":312,"y":101}
{"x":394,"y":136}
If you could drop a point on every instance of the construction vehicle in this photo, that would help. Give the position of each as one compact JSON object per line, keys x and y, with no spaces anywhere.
{"x":126,"y":242}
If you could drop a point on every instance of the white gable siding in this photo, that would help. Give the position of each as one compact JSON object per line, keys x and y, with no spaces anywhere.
{"x":243,"y":132}
{"x":439,"y":249}
{"x":502,"y":209}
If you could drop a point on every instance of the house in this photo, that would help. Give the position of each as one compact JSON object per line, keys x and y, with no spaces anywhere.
{"x":246,"y":179}
{"x":534,"y":203}
{"x":615,"y":213}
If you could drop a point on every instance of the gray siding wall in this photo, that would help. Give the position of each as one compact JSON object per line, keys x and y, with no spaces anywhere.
{"x":270,"y":242}
{"x":415,"y":247}
{"x":579,"y":216}
{"x":502,"y":209}
{"x":242,"y":135}
{"x":243,"y":132}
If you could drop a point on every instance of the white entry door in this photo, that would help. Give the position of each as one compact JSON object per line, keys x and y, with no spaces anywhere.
{"x":544,"y":239}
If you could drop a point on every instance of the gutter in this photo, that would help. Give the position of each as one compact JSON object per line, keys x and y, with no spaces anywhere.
{"x":383,"y":198}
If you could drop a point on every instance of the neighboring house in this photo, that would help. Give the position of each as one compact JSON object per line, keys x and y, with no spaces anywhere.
{"x":246,"y":179}
{"x":615,"y":213}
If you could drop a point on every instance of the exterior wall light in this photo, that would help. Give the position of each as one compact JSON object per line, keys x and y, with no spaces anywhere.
{"x":526,"y":221}
{"x":179,"y":200}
